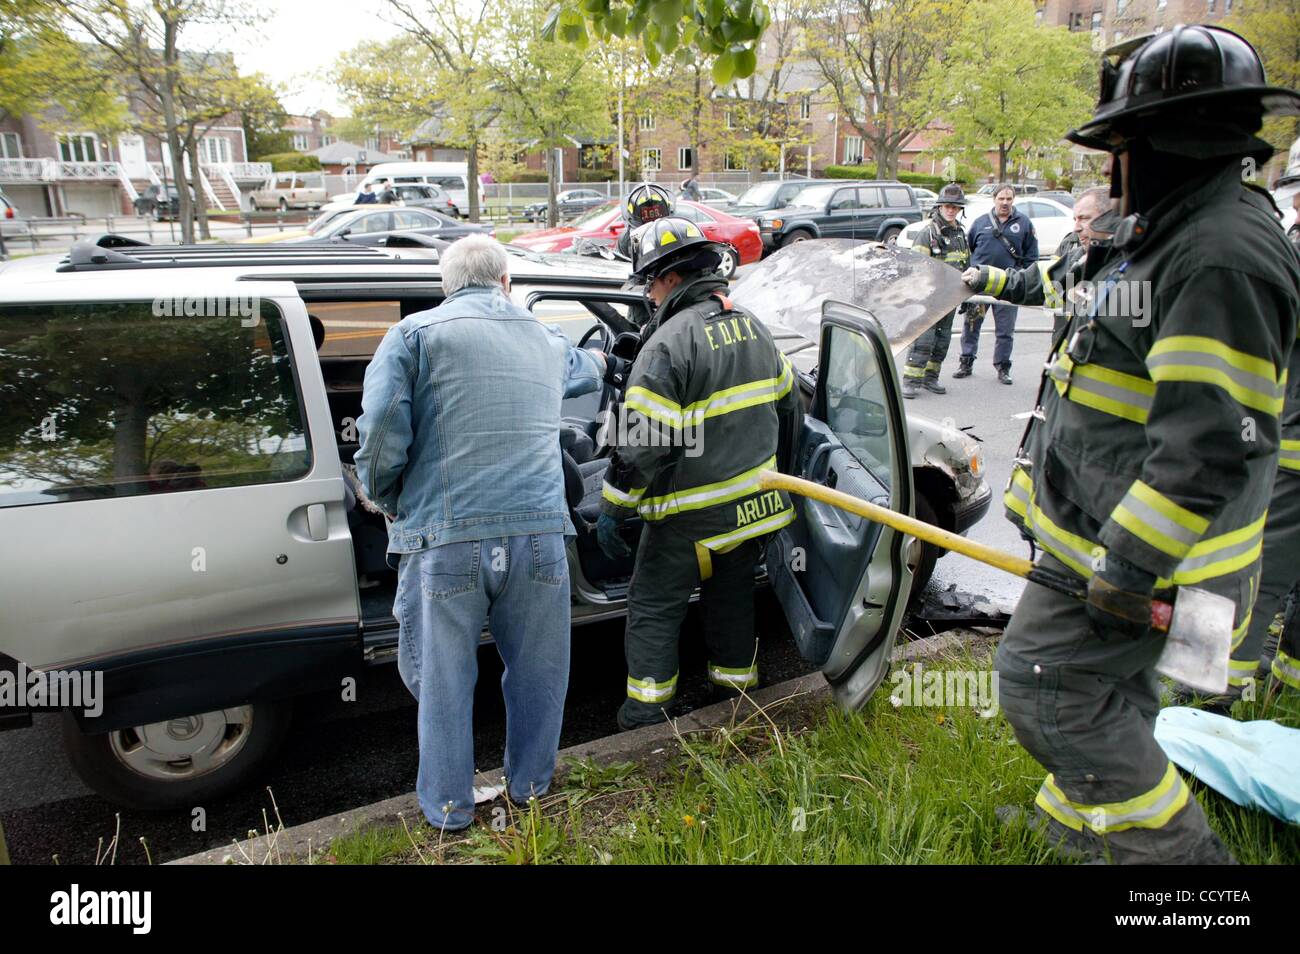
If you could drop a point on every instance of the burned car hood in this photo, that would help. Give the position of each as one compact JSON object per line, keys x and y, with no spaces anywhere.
{"x":905,"y":291}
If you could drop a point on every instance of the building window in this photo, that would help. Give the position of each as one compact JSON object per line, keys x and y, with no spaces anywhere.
{"x":805,"y":107}
{"x":299,"y":142}
{"x":1161,"y":4}
{"x":1227,"y":6}
{"x":78,"y":147}
{"x":11,"y":147}
{"x":1119,"y":7}
{"x":685,"y":158}
{"x":372,"y":143}
{"x":731,"y":119}
{"x":647,"y":121}
{"x":733,"y":162}
{"x":214,"y":149}
{"x":650,"y":160}
{"x":852,"y":150}
{"x":328,"y":140}
{"x":1038,"y":16}
{"x":1209,"y":6}
{"x":1096,"y":21}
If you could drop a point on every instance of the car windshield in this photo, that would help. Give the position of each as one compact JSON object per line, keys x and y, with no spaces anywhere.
{"x":593,"y":216}
{"x":760,"y":194}
{"x":813,"y":195}
{"x":324,"y":219}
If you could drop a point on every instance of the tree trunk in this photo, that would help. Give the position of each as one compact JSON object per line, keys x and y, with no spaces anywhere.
{"x":197,"y":171}
{"x":471,"y":159}
{"x":1002,"y":162}
{"x":552,"y":213}
{"x":167,"y":91}
{"x":130,"y":432}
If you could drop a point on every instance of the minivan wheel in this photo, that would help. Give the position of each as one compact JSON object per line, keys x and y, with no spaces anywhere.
{"x":798,"y":235}
{"x":891,"y":236}
{"x":180,"y":762}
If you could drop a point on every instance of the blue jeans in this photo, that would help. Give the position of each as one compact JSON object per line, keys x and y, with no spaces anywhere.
{"x":520,"y":586}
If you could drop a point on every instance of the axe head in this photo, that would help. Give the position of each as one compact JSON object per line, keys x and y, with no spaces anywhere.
{"x":1200,"y":640}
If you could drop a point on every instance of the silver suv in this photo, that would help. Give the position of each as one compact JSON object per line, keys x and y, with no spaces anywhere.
{"x":178,"y":509}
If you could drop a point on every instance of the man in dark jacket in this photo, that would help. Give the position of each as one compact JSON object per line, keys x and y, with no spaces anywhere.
{"x":1149,"y":463}
{"x":710,"y":403}
{"x":1003,"y":238}
{"x":942,"y":238}
{"x":367,"y":195}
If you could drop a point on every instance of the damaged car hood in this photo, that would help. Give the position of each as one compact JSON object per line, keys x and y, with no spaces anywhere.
{"x":905,"y":291}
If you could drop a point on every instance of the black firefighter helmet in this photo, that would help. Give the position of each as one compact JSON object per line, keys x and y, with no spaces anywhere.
{"x":672,"y":243}
{"x":951,"y":194}
{"x":1176,"y":72}
{"x":646,"y":203}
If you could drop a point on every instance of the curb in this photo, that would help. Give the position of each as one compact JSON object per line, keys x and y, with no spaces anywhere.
{"x":311,"y":837}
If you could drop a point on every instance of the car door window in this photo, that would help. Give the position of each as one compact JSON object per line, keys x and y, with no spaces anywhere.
{"x":857,"y":403}
{"x":411,"y":219}
{"x":845,"y":200}
{"x":869,"y":198}
{"x":375,"y":222}
{"x":897,"y":197}
{"x":118,"y":401}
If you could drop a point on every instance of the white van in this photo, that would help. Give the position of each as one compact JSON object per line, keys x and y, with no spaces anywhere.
{"x":451,"y":177}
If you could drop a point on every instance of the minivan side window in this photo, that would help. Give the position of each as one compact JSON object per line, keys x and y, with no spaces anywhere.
{"x":112,"y":400}
{"x":448,"y":182}
{"x":897,"y":197}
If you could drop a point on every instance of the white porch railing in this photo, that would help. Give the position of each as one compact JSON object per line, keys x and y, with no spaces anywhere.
{"x":54,"y":170}
{"x":244,"y":170}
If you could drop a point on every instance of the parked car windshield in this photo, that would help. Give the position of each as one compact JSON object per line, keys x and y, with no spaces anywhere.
{"x":760,"y":194}
{"x":814,"y":195}
{"x":593,"y":215}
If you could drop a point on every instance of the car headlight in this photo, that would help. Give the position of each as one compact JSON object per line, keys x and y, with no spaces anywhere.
{"x":773,"y":223}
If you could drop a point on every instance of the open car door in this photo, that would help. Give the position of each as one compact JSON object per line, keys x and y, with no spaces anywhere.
{"x":840,"y":578}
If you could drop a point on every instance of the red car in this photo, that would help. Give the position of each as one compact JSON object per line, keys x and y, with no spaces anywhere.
{"x":741,"y":236}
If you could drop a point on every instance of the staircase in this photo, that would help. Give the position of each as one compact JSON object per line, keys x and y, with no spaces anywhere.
{"x":221,"y":189}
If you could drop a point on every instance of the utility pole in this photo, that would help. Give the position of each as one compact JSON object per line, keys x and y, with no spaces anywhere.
{"x":622,"y":183}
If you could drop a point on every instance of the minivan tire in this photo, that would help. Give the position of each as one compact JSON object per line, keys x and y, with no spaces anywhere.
{"x":891,"y":235}
{"x":96,"y":760}
{"x":798,"y":235}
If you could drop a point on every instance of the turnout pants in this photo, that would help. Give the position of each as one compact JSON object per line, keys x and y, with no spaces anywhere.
{"x":1004,"y":324}
{"x":928,"y":351}
{"x":1281,"y":572}
{"x":669,"y":565}
{"x":1085,"y":707}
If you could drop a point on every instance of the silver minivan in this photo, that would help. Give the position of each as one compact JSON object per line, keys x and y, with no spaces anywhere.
{"x":178,"y":507}
{"x":290,"y":190}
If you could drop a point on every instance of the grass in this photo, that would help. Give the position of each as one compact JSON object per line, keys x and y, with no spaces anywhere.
{"x":801,"y":783}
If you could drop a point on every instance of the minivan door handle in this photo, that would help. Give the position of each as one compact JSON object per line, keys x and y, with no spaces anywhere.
{"x":318,"y":527}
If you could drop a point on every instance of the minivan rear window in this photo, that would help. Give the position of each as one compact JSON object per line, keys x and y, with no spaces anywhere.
{"x":897,"y":197}
{"x":123,"y":399}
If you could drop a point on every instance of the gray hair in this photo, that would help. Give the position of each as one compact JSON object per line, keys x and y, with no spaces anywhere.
{"x":476,"y":260}
{"x":1100,"y":196}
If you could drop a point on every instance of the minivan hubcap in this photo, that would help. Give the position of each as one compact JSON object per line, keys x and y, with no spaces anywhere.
{"x":186,"y":747}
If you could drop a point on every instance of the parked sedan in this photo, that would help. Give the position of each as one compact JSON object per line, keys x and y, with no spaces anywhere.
{"x":717,"y":198}
{"x":572,"y":202}
{"x":368,"y":224}
{"x":412,"y":195}
{"x":604,"y":224}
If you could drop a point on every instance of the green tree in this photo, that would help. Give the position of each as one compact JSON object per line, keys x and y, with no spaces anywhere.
{"x":1010,"y":85}
{"x":876,"y":58}
{"x":1273,"y":27}
{"x":548,"y":94}
{"x":263,"y":117}
{"x":726,"y":32}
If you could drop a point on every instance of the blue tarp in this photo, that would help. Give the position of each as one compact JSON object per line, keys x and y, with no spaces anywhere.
{"x":1251,"y":763}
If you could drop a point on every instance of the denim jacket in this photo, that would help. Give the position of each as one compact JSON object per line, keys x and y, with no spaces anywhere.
{"x":460,"y":422}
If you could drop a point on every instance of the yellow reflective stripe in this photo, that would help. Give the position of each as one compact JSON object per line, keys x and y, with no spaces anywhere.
{"x":1104,"y":389}
{"x":1241,"y":672}
{"x":921,"y":248}
{"x":1220,"y":555}
{"x":997,"y":281}
{"x":1287,"y":669}
{"x":706,"y":495}
{"x":735,"y":678}
{"x":1158,"y":521}
{"x":1210,"y":558}
{"x":1289,"y":456}
{"x":666,"y":411}
{"x":647,"y":690}
{"x":1050,"y":298}
{"x":1251,"y":381}
{"x":728,"y":541}
{"x":623,"y":498}
{"x":1239,"y":634}
{"x":1151,"y":809}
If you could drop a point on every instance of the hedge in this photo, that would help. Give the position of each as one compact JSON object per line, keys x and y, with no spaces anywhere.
{"x":292,"y":162}
{"x":584,"y":175}
{"x":933,"y":183}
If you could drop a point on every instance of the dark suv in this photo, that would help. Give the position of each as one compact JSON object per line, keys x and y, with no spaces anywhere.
{"x":873,"y":211}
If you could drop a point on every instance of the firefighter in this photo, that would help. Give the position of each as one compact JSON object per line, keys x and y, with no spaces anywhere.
{"x":1250,"y":656}
{"x":1150,"y":458}
{"x":644,"y":204}
{"x":944,"y":239}
{"x":710,"y":402}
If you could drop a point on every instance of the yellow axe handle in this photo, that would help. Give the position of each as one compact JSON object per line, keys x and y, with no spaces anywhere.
{"x":771,"y":480}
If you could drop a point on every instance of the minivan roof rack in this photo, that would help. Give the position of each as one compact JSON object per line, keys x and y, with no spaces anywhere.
{"x":110,"y":252}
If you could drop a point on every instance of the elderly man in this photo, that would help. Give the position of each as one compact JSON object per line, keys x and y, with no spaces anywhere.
{"x":1004,"y":238}
{"x":460,"y":447}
